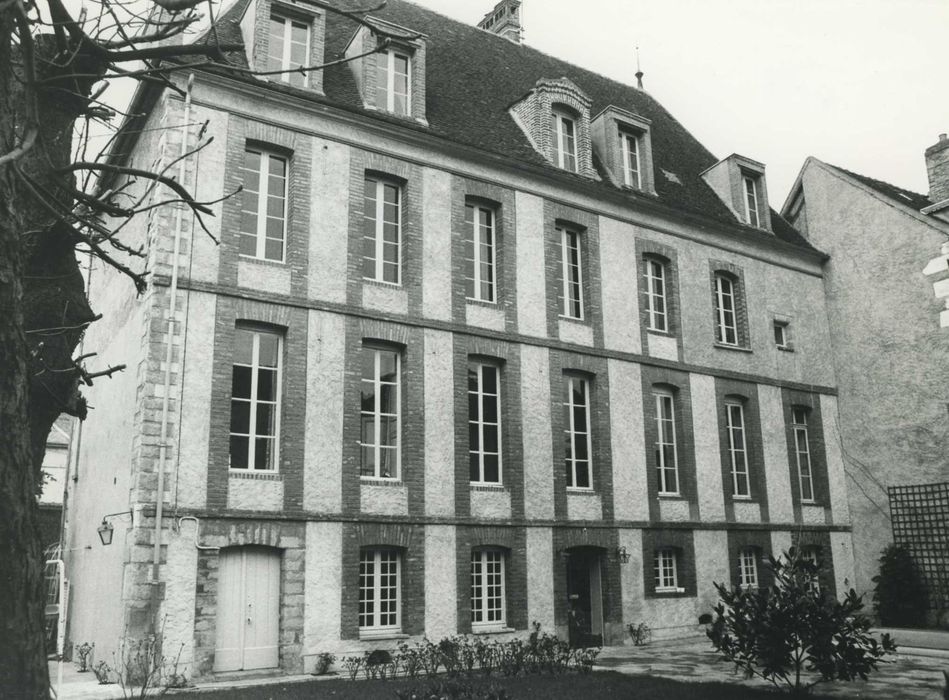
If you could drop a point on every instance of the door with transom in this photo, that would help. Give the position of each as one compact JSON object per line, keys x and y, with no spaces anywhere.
{"x":248,"y":609}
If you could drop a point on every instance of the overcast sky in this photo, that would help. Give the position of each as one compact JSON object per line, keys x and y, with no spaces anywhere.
{"x":858,"y":83}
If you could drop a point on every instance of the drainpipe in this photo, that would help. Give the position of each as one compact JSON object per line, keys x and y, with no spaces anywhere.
{"x":169,"y":349}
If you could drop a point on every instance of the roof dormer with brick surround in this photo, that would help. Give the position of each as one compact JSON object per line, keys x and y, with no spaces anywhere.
{"x":623,"y":142}
{"x":282,"y":35}
{"x":555,"y":116}
{"x":740,"y":183}
{"x":393,"y":79}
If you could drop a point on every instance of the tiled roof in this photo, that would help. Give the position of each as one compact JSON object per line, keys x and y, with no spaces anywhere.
{"x":473,"y":77}
{"x":905,"y":197}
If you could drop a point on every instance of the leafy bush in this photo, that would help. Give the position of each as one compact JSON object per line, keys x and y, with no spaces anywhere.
{"x":103,"y":673}
{"x":640,"y":634}
{"x":900,"y":593}
{"x":84,"y":654}
{"x":793,"y":631}
{"x":323,"y":662}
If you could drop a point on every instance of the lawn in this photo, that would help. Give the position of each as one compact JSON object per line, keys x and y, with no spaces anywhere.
{"x":600,"y":685}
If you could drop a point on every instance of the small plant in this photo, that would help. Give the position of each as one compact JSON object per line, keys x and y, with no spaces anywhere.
{"x":584,"y":659}
{"x":641,"y":633}
{"x":410,"y":660}
{"x":84,"y":655}
{"x":141,"y":667}
{"x":352,"y":664}
{"x":323,"y":662}
{"x":900,"y":598}
{"x":103,"y":673}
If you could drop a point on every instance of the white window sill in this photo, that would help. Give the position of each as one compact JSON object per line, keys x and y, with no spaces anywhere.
{"x":265,"y":261}
{"x":809,"y":503}
{"x":736,"y":497}
{"x":255,"y":474}
{"x":380,"y":481}
{"x":482,"y":302}
{"x":574,"y":319}
{"x":491,"y":630}
{"x":726,"y":346}
{"x":670,"y":494}
{"x":382,"y":283}
{"x":669,"y":590}
{"x":581,"y":491}
{"x":381,"y":635}
{"x":486,"y":486}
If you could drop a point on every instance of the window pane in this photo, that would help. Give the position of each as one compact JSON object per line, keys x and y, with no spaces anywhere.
{"x":263,"y":458}
{"x":492,"y":470}
{"x":240,"y":417}
{"x":241,"y":382}
{"x":238,"y":452}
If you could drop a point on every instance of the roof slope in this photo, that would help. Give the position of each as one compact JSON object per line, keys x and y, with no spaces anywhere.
{"x":905,"y":197}
{"x":473,"y":77}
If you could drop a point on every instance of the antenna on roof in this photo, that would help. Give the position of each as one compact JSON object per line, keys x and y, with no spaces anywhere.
{"x":639,"y":71}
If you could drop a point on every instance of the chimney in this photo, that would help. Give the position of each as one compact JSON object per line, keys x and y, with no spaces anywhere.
{"x":937,"y":167}
{"x":504,"y":20}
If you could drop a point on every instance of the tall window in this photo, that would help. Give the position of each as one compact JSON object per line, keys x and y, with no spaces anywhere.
{"x":479,"y":252}
{"x":737,"y":448}
{"x":726,"y":325}
{"x":484,"y":423}
{"x":564,"y":133}
{"x":666,"y":570}
{"x":382,"y":231}
{"x":748,"y":568}
{"x":379,"y":590}
{"x":572,"y":274}
{"x":393,"y":82}
{"x":802,"y":453}
{"x":255,"y":400}
{"x":263,"y":205}
{"x":289,"y":48}
{"x":656,"y":315}
{"x":487,"y":588}
{"x":751,"y":201}
{"x":380,"y":412}
{"x":667,"y":465}
{"x":576,"y":422}
{"x":632,"y":165}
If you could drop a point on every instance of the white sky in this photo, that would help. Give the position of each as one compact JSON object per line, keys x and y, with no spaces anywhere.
{"x":858,"y":83}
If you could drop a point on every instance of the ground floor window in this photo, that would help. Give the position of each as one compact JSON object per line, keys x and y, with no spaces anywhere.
{"x":666,"y":567}
{"x":379,"y":591}
{"x":487,"y":588}
{"x":748,"y":568}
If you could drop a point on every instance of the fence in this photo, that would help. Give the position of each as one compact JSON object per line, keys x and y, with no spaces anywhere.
{"x":920,"y":517}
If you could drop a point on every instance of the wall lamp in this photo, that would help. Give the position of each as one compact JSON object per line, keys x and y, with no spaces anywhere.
{"x":105,"y":529}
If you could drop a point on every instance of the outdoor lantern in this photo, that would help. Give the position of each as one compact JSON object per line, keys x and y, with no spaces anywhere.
{"x":621,"y":555}
{"x":105,"y":532}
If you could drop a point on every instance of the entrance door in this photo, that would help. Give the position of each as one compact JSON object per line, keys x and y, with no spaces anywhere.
{"x":584,"y":599}
{"x":248,"y":609}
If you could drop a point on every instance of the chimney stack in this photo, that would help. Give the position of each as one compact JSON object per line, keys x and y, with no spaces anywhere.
{"x":504,"y":20}
{"x":937,"y":167}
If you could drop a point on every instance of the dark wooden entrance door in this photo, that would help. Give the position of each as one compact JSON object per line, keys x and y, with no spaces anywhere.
{"x":584,"y":599}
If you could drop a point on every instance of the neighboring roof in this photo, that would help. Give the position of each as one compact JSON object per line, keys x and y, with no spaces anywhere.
{"x":905,"y":197}
{"x":472,"y":78}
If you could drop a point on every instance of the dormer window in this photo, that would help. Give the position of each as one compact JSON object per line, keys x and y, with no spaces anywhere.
{"x":288,"y":48}
{"x":394,"y":82}
{"x":751,"y":200}
{"x":632,"y":166}
{"x":564,"y":133}
{"x":623,"y":142}
{"x":740,"y":183}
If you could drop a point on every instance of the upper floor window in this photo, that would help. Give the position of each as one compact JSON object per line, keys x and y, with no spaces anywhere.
{"x":666,"y":569}
{"x":484,"y":423}
{"x":394,"y":82}
{"x":656,"y":300}
{"x":480,"y":252}
{"x":289,"y":48}
{"x":380,"y":402}
{"x":564,"y":134}
{"x":748,"y":567}
{"x":379,"y":591}
{"x":487,"y":589}
{"x":667,"y":459}
{"x":782,"y":339}
{"x":750,"y":185}
{"x":576,"y":417}
{"x":255,"y":400}
{"x":726,"y":319}
{"x":802,"y":453}
{"x":572,"y":278}
{"x":737,"y":448}
{"x":264,"y":205}
{"x":382,"y":231}
{"x":632,"y":160}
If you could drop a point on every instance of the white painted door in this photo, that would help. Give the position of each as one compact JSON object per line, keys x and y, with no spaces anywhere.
{"x":248,"y":609}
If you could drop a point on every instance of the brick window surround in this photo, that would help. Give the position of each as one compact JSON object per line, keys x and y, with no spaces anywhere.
{"x":610,"y":129}
{"x":736,"y":277}
{"x":810,"y":403}
{"x":512,"y":542}
{"x":760,"y":542}
{"x":650,"y":250}
{"x":819,"y":541}
{"x":680,"y":541}
{"x":746,"y":394}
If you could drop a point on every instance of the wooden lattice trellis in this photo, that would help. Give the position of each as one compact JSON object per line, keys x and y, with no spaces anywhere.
{"x":920,"y":517}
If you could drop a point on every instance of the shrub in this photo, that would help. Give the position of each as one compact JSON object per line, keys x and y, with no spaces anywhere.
{"x":352,"y":664}
{"x":794,"y":629}
{"x":84,"y":654}
{"x":103,"y":673}
{"x":900,"y":598}
{"x":640,"y":634}
{"x":323,"y":662}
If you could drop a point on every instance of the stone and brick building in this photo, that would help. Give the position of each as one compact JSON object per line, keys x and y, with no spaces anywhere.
{"x":488,"y":339}
{"x":887,"y":251}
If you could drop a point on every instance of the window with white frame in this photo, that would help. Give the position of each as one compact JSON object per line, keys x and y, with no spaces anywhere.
{"x":379,"y":591}
{"x":665,"y":565}
{"x":484,"y":423}
{"x":748,"y":567}
{"x":781,"y":337}
{"x":726,"y":319}
{"x":563,"y":130}
{"x":751,"y":200}
{"x":255,"y":400}
{"x":480,"y":252}
{"x":737,"y":448}
{"x":382,"y":231}
{"x":263,"y":205}
{"x":488,"y":603}
{"x":572,"y":279}
{"x":394,"y":82}
{"x":667,"y":459}
{"x":288,"y":49}
{"x":380,"y":413}
{"x":632,"y":160}
{"x":811,"y":555}
{"x":576,"y":422}
{"x":802,"y":453}
{"x":656,"y":300}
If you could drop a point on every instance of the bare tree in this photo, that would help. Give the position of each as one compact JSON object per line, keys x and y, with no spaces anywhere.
{"x":54,"y":71}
